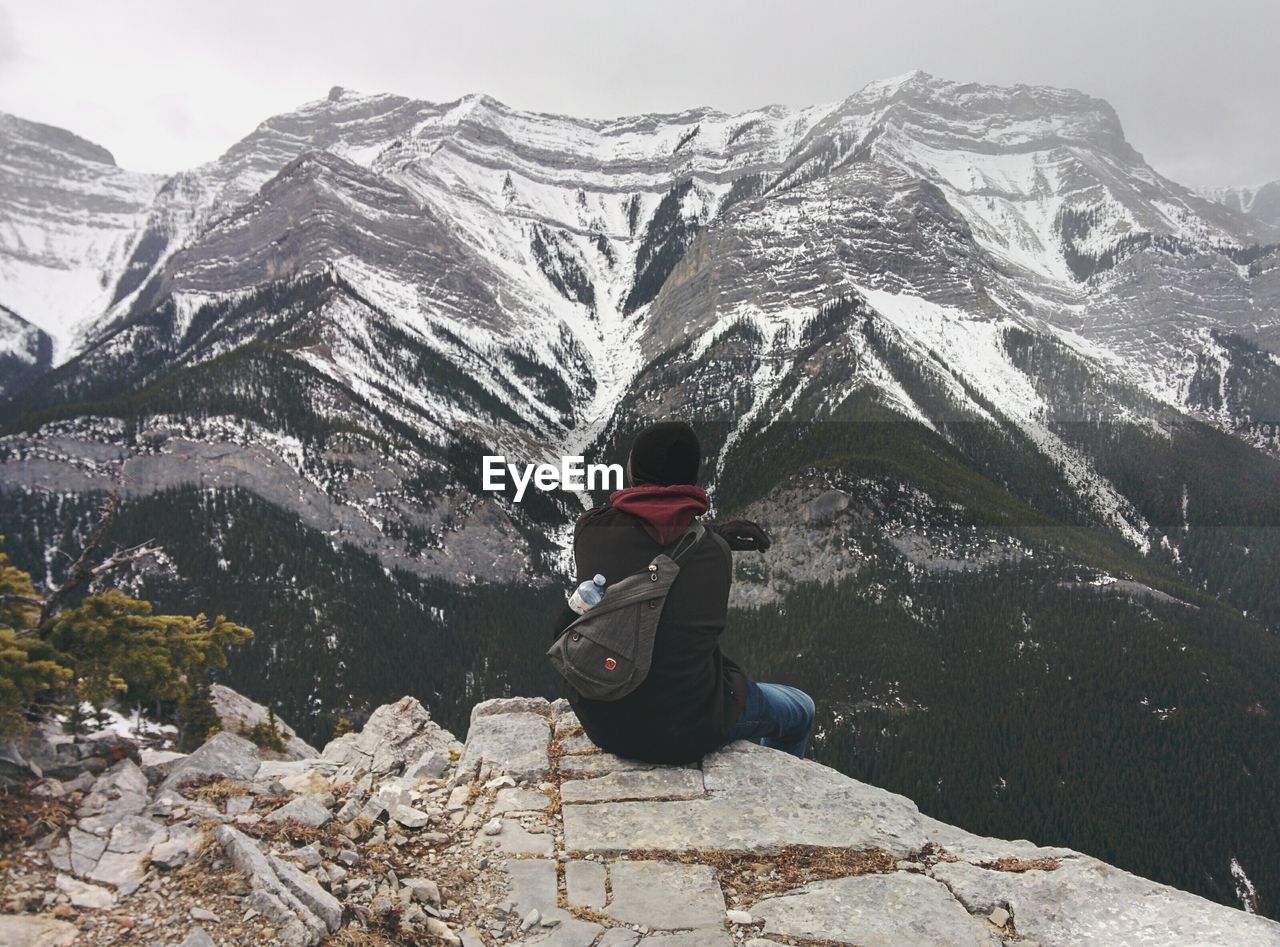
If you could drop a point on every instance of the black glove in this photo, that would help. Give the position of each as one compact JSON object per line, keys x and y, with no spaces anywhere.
{"x":743,"y":535}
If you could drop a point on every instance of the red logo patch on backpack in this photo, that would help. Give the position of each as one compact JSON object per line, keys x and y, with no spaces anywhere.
{"x":610,"y":664}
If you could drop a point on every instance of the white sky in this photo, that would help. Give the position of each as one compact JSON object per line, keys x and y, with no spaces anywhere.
{"x":167,"y":85}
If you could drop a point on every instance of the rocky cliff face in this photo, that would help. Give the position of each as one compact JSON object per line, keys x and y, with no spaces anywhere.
{"x":529,"y":834}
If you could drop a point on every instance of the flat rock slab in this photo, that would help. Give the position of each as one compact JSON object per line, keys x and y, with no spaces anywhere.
{"x":666,"y":895}
{"x":757,"y":799}
{"x":513,"y":743}
{"x":584,"y":884}
{"x":599,"y":764}
{"x":515,"y":839}
{"x":86,"y":849}
{"x":1086,"y":901}
{"x":136,"y":834}
{"x":663,"y":783}
{"x":876,"y":911}
{"x":532,"y":885}
{"x":519,"y":799}
{"x":307,"y":810}
{"x":703,"y":938}
{"x":577,"y":743}
{"x":24,"y":930}
{"x":125,"y":870}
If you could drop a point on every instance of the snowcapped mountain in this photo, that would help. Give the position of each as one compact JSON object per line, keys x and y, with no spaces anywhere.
{"x":69,"y":220}
{"x":411,"y":283}
{"x":1261,"y":202}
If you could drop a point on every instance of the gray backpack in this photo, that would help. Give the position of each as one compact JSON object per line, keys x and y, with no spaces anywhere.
{"x":605,"y":654}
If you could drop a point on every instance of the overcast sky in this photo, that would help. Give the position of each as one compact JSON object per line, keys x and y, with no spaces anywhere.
{"x":167,"y":85}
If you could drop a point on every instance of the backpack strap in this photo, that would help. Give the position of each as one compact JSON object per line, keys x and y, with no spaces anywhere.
{"x":690,"y":538}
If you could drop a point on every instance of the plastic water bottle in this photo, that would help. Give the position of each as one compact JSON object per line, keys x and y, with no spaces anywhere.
{"x":588,"y":595}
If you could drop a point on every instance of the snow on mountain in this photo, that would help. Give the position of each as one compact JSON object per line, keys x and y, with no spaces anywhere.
{"x":69,"y":219}
{"x":471,"y":274}
{"x":25,"y":351}
{"x":1262,"y":201}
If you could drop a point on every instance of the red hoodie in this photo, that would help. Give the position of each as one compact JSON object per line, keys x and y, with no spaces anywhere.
{"x":664,"y":512}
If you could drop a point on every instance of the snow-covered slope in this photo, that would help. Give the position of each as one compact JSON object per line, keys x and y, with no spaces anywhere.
{"x":69,"y":220}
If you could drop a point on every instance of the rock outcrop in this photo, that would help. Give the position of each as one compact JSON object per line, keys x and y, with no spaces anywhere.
{"x":530,"y":835}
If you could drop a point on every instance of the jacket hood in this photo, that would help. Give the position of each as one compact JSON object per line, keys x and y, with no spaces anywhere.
{"x":664,"y":512}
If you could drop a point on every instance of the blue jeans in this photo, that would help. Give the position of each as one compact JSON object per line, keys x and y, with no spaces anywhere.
{"x":776,"y":716}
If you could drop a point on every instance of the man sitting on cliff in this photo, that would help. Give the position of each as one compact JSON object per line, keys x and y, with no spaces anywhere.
{"x":694,"y":699}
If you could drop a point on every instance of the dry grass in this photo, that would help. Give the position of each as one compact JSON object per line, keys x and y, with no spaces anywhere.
{"x":1010,"y":863}
{"x":291,"y":830}
{"x":215,"y":790}
{"x":25,"y":817}
{"x":759,"y":874}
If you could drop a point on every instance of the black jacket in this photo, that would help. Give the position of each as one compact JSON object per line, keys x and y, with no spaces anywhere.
{"x":694,"y":694}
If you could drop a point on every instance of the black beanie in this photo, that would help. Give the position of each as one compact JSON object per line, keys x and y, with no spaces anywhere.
{"x":666,"y":453}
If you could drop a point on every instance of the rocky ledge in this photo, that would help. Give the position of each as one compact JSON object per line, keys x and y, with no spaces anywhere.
{"x":528,"y":834}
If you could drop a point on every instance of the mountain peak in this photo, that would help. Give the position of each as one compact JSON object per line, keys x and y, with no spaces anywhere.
{"x":15,"y":130}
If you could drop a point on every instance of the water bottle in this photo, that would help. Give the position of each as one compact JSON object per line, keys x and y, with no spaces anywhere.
{"x":588,"y":595}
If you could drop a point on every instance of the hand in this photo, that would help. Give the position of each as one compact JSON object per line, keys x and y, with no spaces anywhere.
{"x":743,"y":535}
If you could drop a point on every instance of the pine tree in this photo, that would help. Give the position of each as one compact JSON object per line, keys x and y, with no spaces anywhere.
{"x":29,"y":666}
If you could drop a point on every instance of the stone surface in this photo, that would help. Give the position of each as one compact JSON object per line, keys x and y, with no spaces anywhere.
{"x":577,"y":743}
{"x":135,"y":834}
{"x":532,"y":886}
{"x":430,"y":765}
{"x":757,"y":799}
{"x":513,"y":838}
{"x":664,"y":783}
{"x":307,"y":890}
{"x":85,"y":895}
{"x":1086,"y":901}
{"x":224,"y":755}
{"x":876,"y":911}
{"x":665,"y":895}
{"x":197,"y":937}
{"x":701,"y":938}
{"x":743,"y":797}
{"x":28,"y":931}
{"x":585,"y":884}
{"x":618,"y":937}
{"x":120,"y":791}
{"x":508,"y":706}
{"x":125,"y":870}
{"x":410,"y":817}
{"x":599,"y":764}
{"x":86,"y":849}
{"x":394,"y":736}
{"x":273,"y":895}
{"x":512,"y":743}
{"x":238,"y":712}
{"x":519,"y":799}
{"x":182,"y":844}
{"x":308,"y":810}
